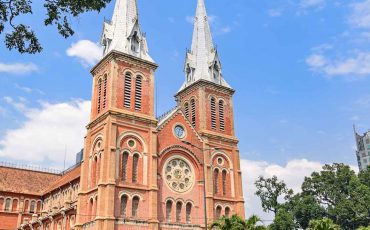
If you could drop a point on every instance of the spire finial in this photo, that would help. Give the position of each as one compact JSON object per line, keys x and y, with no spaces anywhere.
{"x":123,"y":33}
{"x":202,"y":61}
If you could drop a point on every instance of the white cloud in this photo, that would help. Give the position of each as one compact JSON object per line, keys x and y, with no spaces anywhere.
{"x":312,"y":3}
{"x":292,"y":173}
{"x":18,"y":68}
{"x":225,"y":30}
{"x":28,"y":89}
{"x":274,"y":12}
{"x":87,"y":52}
{"x":360,"y":16}
{"x":19,"y":104}
{"x":46,"y":132}
{"x":359,"y":65}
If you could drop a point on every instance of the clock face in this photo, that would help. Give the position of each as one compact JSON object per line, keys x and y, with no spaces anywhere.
{"x":179,"y":131}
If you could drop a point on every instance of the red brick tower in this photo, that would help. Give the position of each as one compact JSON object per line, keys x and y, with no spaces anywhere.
{"x":142,"y":173}
{"x":118,"y":186}
{"x":206,"y":100}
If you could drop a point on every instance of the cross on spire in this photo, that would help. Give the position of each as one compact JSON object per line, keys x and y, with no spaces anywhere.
{"x":202,"y":61}
{"x":123,"y":33}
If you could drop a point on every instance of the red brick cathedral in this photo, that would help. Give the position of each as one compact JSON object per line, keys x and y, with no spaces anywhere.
{"x":178,"y":171}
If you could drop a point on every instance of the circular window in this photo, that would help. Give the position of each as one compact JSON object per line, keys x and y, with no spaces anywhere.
{"x":220,"y":161}
{"x":179,"y":175}
{"x":131,"y":143}
{"x":179,"y":131}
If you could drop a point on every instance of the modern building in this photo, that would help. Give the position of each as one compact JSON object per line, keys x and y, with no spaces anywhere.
{"x":363,"y":149}
{"x":178,"y":171}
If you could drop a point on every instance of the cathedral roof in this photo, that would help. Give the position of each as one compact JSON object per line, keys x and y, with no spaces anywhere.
{"x":202,"y":61}
{"x":123,"y":33}
{"x":67,"y":178}
{"x":25,"y":181}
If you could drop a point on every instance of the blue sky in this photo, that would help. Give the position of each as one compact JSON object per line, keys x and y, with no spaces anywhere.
{"x":301,"y":70}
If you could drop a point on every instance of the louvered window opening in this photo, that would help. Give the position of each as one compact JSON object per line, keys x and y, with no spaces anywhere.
{"x":215,"y":181}
{"x":187,"y":110}
{"x":193,"y":113}
{"x":124,"y":166}
{"x":178,"y":212}
{"x":213,"y":113}
{"x":222,"y":115}
{"x":135,"y":168}
{"x":168,"y":210}
{"x":135,"y":206}
{"x":188,"y":213}
{"x":127,"y":91}
{"x":138,"y":93}
{"x":124,"y":200}
{"x":99,"y":94}
{"x":224,"y":173}
{"x":105,"y":92}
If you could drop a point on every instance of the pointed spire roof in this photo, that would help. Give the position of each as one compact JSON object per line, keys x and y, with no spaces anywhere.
{"x":123,"y":33}
{"x":202,"y":61}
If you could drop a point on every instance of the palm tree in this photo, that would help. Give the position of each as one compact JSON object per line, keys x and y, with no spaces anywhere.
{"x":323,"y":224}
{"x":236,"y":223}
{"x":252,"y":223}
{"x":229,"y":223}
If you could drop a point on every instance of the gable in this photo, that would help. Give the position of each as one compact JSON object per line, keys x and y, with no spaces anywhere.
{"x":166,"y":135}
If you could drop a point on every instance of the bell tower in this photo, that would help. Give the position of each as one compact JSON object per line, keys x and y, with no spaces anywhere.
{"x":117,"y":186}
{"x":207,"y":101}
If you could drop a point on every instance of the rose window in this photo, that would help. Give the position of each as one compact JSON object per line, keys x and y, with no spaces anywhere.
{"x":179,"y":175}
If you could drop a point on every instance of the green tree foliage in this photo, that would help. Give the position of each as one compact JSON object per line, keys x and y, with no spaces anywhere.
{"x":364,"y":177}
{"x":21,"y":36}
{"x":364,"y":228}
{"x":255,"y":223}
{"x":323,"y":224}
{"x":284,"y":220}
{"x":304,"y":209}
{"x":229,"y":223}
{"x":269,"y":191}
{"x":345,"y":199}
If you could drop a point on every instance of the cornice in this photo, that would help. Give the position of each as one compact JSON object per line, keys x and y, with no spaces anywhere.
{"x":206,"y":83}
{"x":116,"y":55}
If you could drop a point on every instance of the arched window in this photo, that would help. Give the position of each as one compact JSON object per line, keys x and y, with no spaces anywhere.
{"x":188,"y":213}
{"x":218,"y":212}
{"x":213,"y":113}
{"x":186,"y":107}
{"x":178,"y":212}
{"x":215,"y":181}
{"x":124,"y":166}
{"x":8,"y":202}
{"x":96,"y":170}
{"x":135,"y":206}
{"x":99,"y":94}
{"x":33,"y":206}
{"x":124,"y":200}
{"x":135,"y":163}
{"x":90,"y":208}
{"x":127,"y":91}
{"x":227,"y":212}
{"x":193,"y":112}
{"x":168,"y":210}
{"x":224,"y":174}
{"x":138,"y":92}
{"x":135,"y":43}
{"x":105,"y":92}
{"x":222,"y":115}
{"x":15,"y":205}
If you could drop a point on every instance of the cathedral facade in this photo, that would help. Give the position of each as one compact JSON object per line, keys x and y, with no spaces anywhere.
{"x":178,"y":171}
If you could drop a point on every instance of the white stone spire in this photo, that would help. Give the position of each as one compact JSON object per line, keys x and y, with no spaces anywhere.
{"x":202,"y":61}
{"x":123,"y":33}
